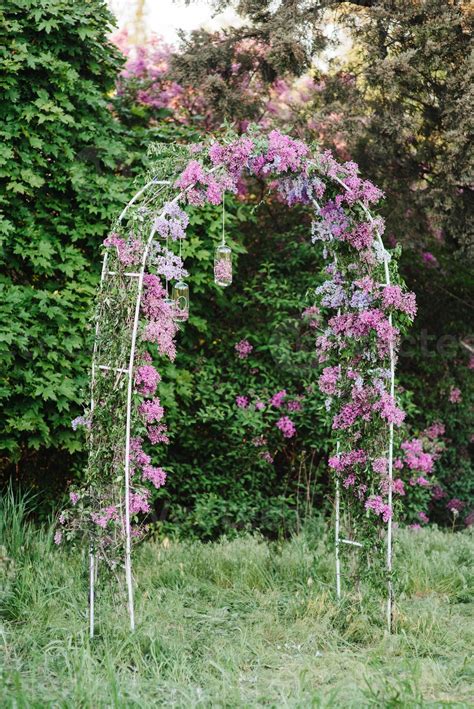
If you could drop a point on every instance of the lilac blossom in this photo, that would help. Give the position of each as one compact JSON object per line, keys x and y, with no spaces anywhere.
{"x":242,"y":402}
{"x":243,"y":349}
{"x":146,"y":379}
{"x":376,"y":504}
{"x":286,"y":426}
{"x":278,"y":398}
{"x":80,"y":421}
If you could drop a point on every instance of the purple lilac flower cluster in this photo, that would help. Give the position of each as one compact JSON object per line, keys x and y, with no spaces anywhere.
{"x":160,"y":327}
{"x":172,"y":222}
{"x":168,"y":264}
{"x":128,"y":251}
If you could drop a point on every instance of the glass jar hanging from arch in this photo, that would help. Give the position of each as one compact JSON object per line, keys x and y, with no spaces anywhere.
{"x":223,"y":266}
{"x":180,"y":298}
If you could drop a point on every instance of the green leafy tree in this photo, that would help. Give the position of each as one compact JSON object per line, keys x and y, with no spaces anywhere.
{"x":61,"y":161}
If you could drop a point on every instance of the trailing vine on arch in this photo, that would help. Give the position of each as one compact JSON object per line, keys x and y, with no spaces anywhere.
{"x":362,"y":309}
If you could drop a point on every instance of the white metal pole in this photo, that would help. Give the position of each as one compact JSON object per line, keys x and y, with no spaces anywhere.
{"x":390,"y":496}
{"x":91,"y":590}
{"x":92,"y":565}
{"x":390,"y":462}
{"x":336,"y":534}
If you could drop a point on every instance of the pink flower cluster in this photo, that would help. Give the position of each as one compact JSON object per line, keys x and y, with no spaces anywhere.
{"x":235,"y":157}
{"x":455,"y":396}
{"x":360,"y":236}
{"x":243,"y":349}
{"x":151,"y":410}
{"x":242,"y":402}
{"x":328,"y":380}
{"x":283,"y":154}
{"x":359,"y":325}
{"x":360,"y":407}
{"x":286,"y":426}
{"x":415,"y":457}
{"x":146,"y":379}
{"x":393,"y":297}
{"x":380,"y":465}
{"x":139,"y":502}
{"x":357,"y":190}
{"x":435,"y":430}
{"x":429,"y":260}
{"x":398,"y":486}
{"x":158,"y":434}
{"x":295,"y":405}
{"x":341,"y":462}
{"x":201,"y":187}
{"x":389,"y":410}
{"x":161,"y":328}
{"x":455,"y":505}
{"x":139,"y":460}
{"x":156,"y":476}
{"x":128,"y":252}
{"x":277,"y":399}
{"x":103,"y":517}
{"x":378,"y":506}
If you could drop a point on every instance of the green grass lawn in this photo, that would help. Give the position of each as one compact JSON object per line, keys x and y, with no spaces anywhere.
{"x":239,"y":623}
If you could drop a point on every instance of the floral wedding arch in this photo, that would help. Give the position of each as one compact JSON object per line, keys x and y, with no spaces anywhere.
{"x":143,"y":298}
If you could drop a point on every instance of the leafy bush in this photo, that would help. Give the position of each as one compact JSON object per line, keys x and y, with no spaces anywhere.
{"x":219,"y":479}
{"x":60,"y":186}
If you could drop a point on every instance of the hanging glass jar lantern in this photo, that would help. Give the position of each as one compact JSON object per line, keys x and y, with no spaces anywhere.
{"x":180,"y":298}
{"x":223,"y":266}
{"x":223,"y":258}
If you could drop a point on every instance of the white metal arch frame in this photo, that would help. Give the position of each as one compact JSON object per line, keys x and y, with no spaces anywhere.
{"x":128,"y":372}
